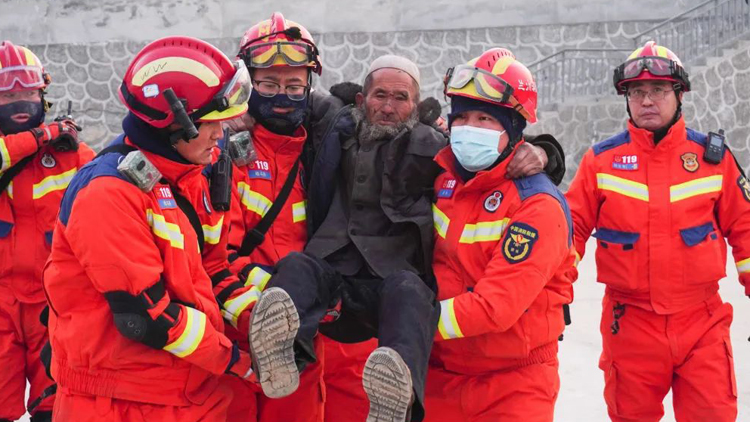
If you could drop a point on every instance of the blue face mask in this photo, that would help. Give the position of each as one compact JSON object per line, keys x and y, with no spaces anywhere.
{"x":475,"y":148}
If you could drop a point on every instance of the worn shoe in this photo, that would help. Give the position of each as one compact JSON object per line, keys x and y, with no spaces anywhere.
{"x":387,"y":382}
{"x":273,"y":327}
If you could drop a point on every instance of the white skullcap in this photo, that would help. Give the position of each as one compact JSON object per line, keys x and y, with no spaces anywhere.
{"x":389,"y":61}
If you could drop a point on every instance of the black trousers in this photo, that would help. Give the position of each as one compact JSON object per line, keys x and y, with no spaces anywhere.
{"x":401,"y":311}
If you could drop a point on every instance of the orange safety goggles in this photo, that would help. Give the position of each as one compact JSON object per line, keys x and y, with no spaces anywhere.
{"x":487,"y":85}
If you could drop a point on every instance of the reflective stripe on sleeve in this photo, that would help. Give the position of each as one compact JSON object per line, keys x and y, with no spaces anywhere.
{"x":252,"y":200}
{"x":485,"y":231}
{"x":695,"y":187}
{"x":192,"y":335}
{"x":622,"y":186}
{"x":258,"y":277}
{"x":440,"y":220}
{"x":743,"y":266}
{"x":212,"y":234}
{"x":167,"y":231}
{"x":4,"y":156}
{"x":298,"y":211}
{"x":448,"y":325}
{"x":234,"y":307}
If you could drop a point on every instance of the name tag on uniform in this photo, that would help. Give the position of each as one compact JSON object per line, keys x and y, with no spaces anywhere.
{"x":625,"y":162}
{"x":259,"y":169}
{"x":446,"y":191}
{"x":165,"y":198}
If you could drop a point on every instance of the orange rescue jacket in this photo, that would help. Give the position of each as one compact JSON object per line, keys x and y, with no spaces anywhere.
{"x":28,"y":209}
{"x":661,"y":213}
{"x":502,"y":248}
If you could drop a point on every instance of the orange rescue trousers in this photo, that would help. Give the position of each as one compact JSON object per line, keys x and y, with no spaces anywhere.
{"x":688,"y":351}
{"x":21,"y":339}
{"x":525,"y":394}
{"x":72,"y":407}
{"x":346,"y":400}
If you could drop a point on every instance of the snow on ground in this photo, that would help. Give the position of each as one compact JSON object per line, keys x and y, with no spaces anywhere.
{"x":582,"y":382}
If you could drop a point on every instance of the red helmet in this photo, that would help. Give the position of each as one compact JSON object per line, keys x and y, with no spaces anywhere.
{"x":498,"y":78}
{"x":211,"y":87}
{"x":20,"y":69}
{"x":651,"y":62}
{"x":279,"y":42}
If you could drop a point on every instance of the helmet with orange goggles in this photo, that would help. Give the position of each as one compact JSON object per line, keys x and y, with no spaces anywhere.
{"x":279,"y":42}
{"x":20,"y":69}
{"x":651,"y":62}
{"x":185,"y":80}
{"x":495,"y":77}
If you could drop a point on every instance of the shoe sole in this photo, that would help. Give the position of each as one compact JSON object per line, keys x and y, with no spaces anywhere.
{"x":387,"y":382}
{"x":273,"y":327}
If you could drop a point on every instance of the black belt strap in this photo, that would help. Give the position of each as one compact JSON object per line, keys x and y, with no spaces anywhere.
{"x":255,"y":236}
{"x":13,"y":171}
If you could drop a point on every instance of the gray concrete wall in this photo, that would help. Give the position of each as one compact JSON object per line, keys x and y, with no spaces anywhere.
{"x":86,"y":21}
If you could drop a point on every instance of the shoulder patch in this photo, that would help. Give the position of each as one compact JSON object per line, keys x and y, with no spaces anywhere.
{"x":541,"y":184}
{"x":621,"y":138}
{"x":744,"y":187}
{"x":519,"y":242}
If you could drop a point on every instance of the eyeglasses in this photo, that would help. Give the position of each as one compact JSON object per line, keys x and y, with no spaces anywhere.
{"x":270,"y":89}
{"x":656,"y":94}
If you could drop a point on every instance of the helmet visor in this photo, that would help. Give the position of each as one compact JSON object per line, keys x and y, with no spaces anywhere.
{"x":21,"y":77}
{"x":487,"y":85}
{"x":657,"y":66}
{"x":232,"y":99}
{"x":267,"y":54}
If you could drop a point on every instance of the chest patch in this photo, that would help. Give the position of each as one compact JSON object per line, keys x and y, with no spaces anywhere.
{"x":259,"y":169}
{"x":492,"y":202}
{"x":48,"y":161}
{"x":625,"y":162}
{"x":446,"y":191}
{"x":519,"y":242}
{"x":165,"y":198}
{"x":744,"y":187}
{"x":690,"y":161}
{"x":206,"y":203}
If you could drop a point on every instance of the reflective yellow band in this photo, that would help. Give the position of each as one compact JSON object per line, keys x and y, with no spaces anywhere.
{"x":191,"y":336}
{"x":233,"y":308}
{"x":53,"y":183}
{"x":440,"y":220}
{"x":258,"y":277}
{"x":298,"y":211}
{"x":212,"y":234}
{"x":578,"y":259}
{"x":4,"y":156}
{"x":622,"y":186}
{"x":167,"y":231}
{"x":743,"y":266}
{"x":448,"y":326}
{"x":485,"y":231}
{"x":695,"y":187}
{"x":252,"y":200}
{"x":10,"y":189}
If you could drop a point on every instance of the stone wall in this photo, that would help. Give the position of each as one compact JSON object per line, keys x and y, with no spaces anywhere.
{"x":90,"y":74}
{"x":720,"y":99}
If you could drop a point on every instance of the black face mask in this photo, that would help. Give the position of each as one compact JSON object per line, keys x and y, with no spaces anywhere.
{"x":9,"y":127}
{"x":261,"y":109}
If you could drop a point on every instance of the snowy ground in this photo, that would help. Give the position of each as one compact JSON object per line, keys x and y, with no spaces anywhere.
{"x":582,"y":382}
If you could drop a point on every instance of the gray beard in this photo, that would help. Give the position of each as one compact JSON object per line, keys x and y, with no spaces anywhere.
{"x":369,"y":132}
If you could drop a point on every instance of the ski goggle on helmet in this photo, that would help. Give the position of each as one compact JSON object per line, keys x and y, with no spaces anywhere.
{"x":495,"y":77}
{"x":279,"y":42}
{"x":20,"y":69}
{"x":651,"y":62}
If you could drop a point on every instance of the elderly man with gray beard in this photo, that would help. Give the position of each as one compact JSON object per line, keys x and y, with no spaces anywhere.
{"x":366,"y":272}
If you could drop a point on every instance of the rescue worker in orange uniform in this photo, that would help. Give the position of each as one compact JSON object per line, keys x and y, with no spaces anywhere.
{"x":502,"y":249}
{"x":37,"y":161}
{"x":663,"y":323}
{"x":135,"y":328}
{"x":281,"y":56}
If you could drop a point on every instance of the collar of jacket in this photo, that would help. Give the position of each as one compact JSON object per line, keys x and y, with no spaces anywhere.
{"x":157,"y":149}
{"x":645,"y":138}
{"x":271,"y":144}
{"x":483,"y":179}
